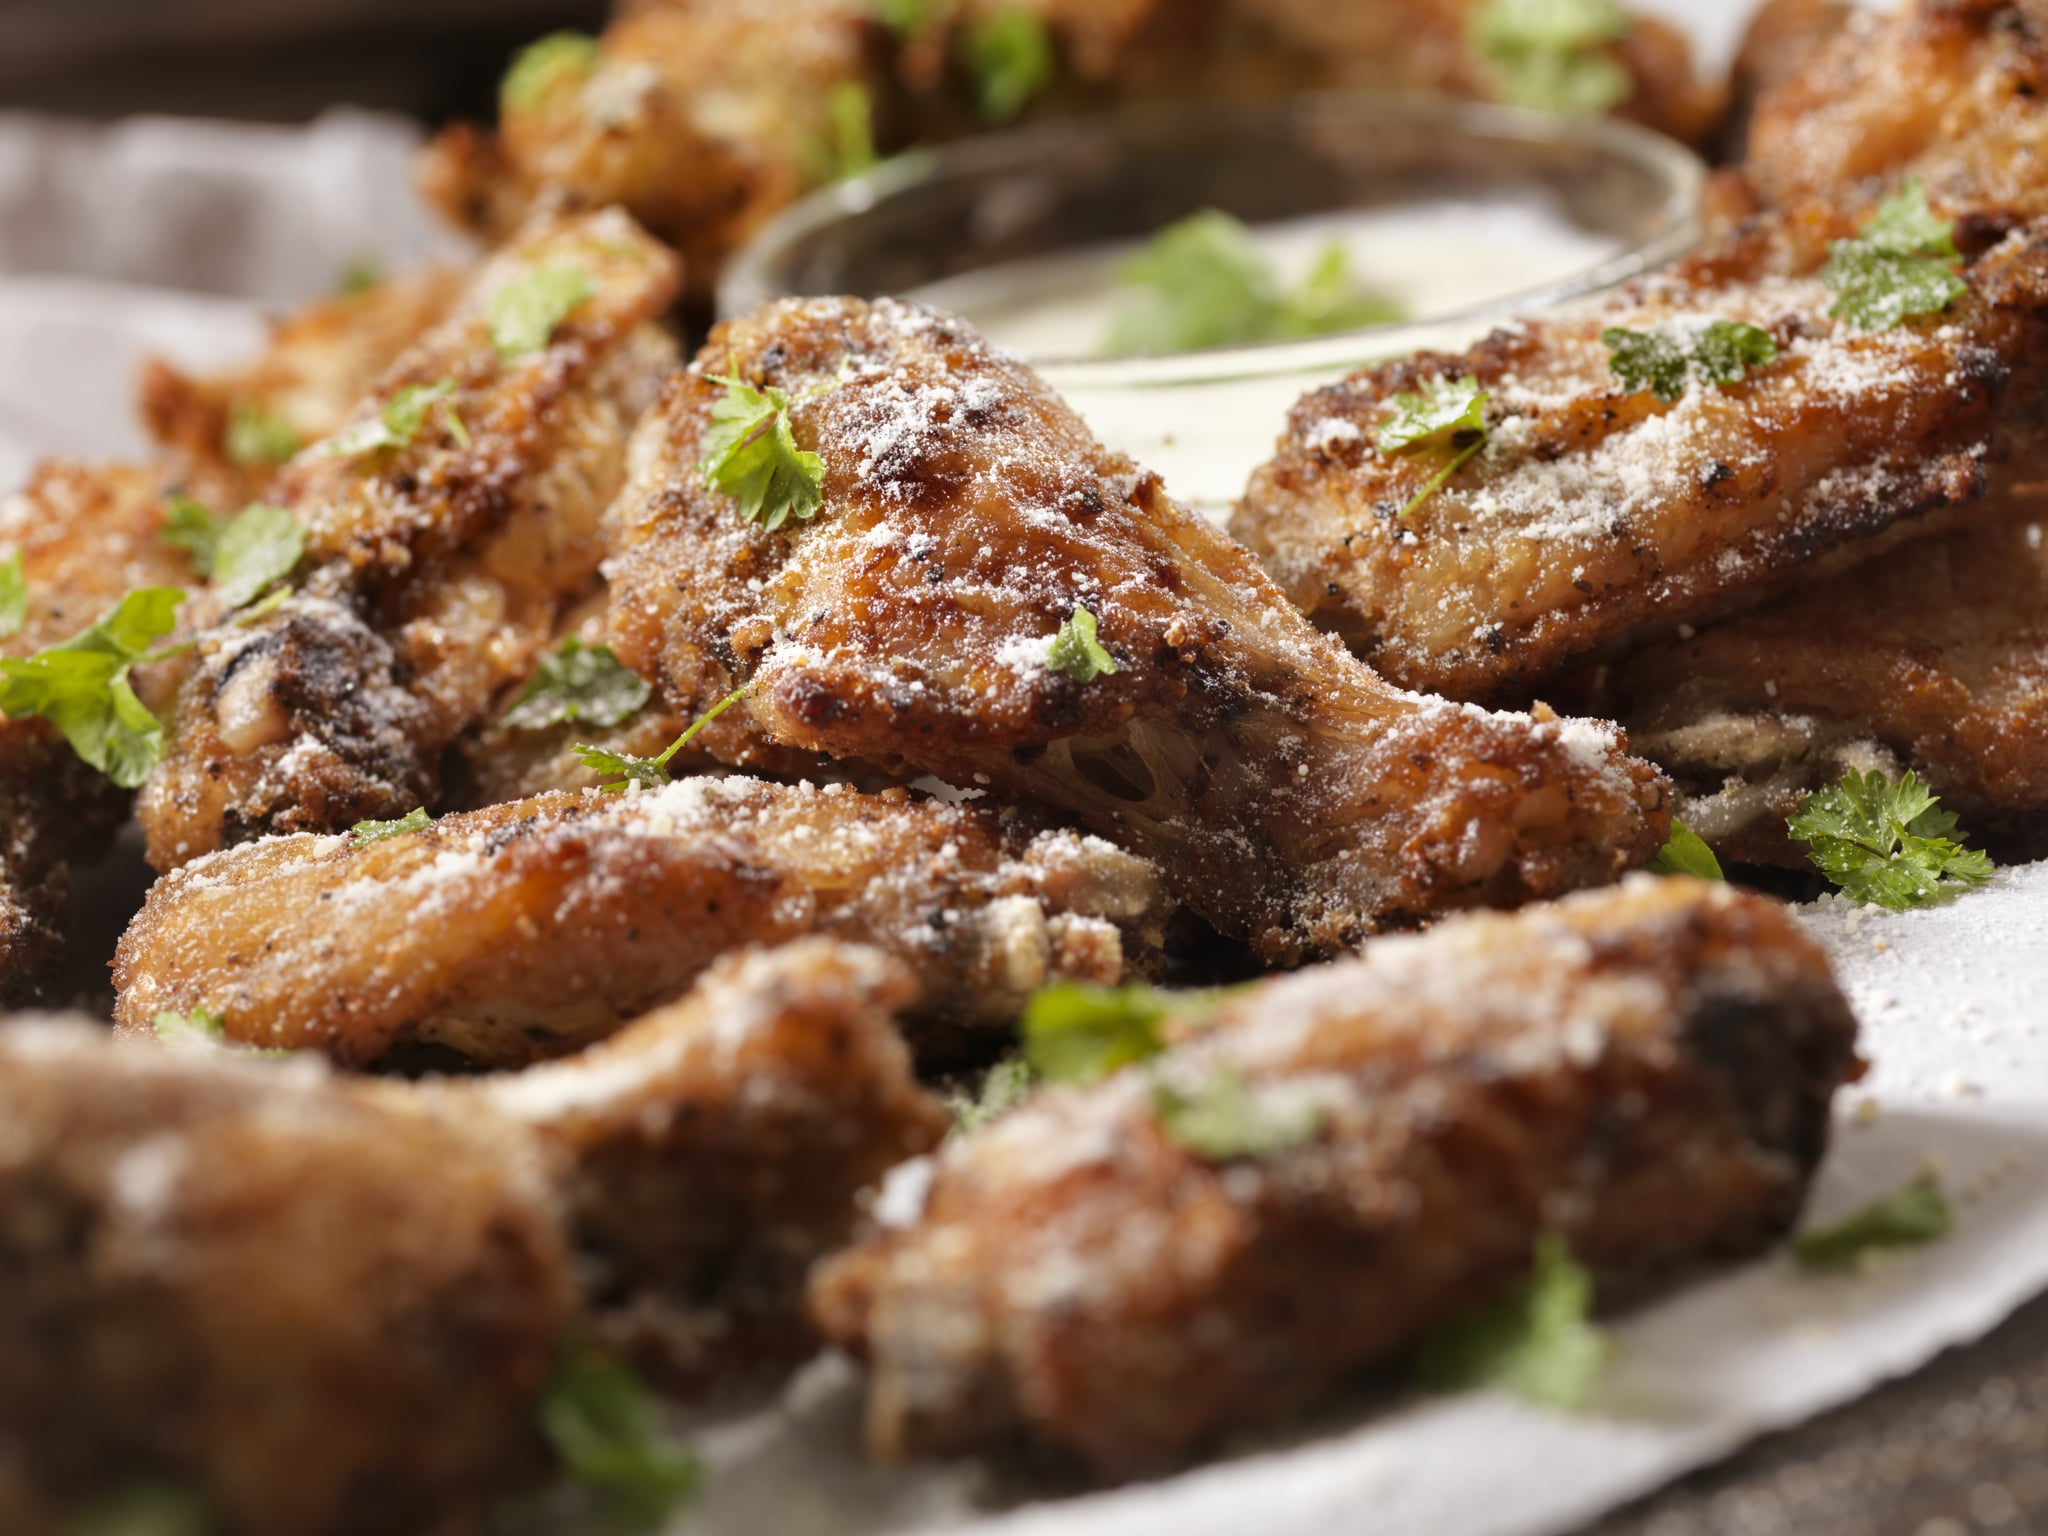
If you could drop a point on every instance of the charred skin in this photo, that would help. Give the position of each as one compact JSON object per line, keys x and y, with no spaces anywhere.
{"x":434,"y":573}
{"x":1646,"y":1072}
{"x":1290,"y":797}
{"x":1593,"y":516}
{"x":530,"y":929}
{"x":1934,"y":659}
{"x":716,"y":1147}
{"x":232,"y":1276}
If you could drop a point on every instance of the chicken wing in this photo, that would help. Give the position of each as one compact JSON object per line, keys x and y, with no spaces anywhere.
{"x":1645,"y":1072}
{"x":434,"y":570}
{"x":1290,"y":797}
{"x":231,"y":1274}
{"x":1934,"y":658}
{"x":529,"y":929}
{"x":1593,"y":513}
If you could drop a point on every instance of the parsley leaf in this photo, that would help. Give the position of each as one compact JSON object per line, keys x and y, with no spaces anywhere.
{"x":620,"y":1474}
{"x":1686,"y":853}
{"x":1664,"y":363}
{"x":414,"y":820}
{"x":13,"y":596}
{"x":200,"y":1026}
{"x":258,"y":437}
{"x":1540,"y":1342}
{"x":81,"y":686}
{"x":242,"y":554}
{"x":525,"y":312}
{"x":1728,"y":349}
{"x":145,"y":1509}
{"x":556,"y":60}
{"x":195,"y":528}
{"x":1076,"y":1033}
{"x":1010,"y":56}
{"x":1919,"y":1213}
{"x":751,"y":455}
{"x":578,"y":682}
{"x":1203,"y":282}
{"x":1886,"y":843}
{"x":1441,"y":409}
{"x":1008,"y":1083}
{"x":652,"y":771}
{"x":1903,"y":264}
{"x":400,"y":421}
{"x":1226,"y":1118}
{"x":1075,"y":651}
{"x":1546,"y":54}
{"x":849,"y":146}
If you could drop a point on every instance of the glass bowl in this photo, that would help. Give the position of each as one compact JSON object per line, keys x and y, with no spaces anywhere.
{"x":1016,"y":231}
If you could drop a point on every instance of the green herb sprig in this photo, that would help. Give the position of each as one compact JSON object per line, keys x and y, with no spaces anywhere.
{"x":242,"y":555}
{"x":578,"y":682}
{"x":1549,"y":54}
{"x":1006,"y":1085}
{"x":544,"y":66}
{"x":652,"y":771}
{"x":750,"y":454}
{"x":81,"y":685}
{"x":415,"y":820}
{"x":1685,"y":852}
{"x":1010,"y":55}
{"x":1902,"y":265}
{"x":1077,"y":1033}
{"x":13,"y":596}
{"x":1075,"y":651}
{"x":1539,"y":1343}
{"x":1664,"y":362}
{"x":1443,"y":411}
{"x":1887,"y":843}
{"x":399,"y":422}
{"x":1919,"y":1213}
{"x":526,"y":312}
{"x":259,"y":437}
{"x":1225,"y":1118}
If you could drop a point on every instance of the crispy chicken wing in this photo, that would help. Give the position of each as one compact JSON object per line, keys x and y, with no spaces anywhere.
{"x":434,"y":571}
{"x":1781,"y":41}
{"x":1291,"y":798}
{"x":529,"y":929}
{"x":1646,"y":1072}
{"x":1934,"y":658}
{"x":1593,"y":513}
{"x":237,"y":1275}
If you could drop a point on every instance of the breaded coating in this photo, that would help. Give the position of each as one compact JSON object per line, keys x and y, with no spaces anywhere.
{"x":1290,"y":797}
{"x":325,"y":1311}
{"x":529,"y":929}
{"x":1593,"y":513}
{"x":715,"y":1149}
{"x":1954,"y":92}
{"x":1934,"y":658}
{"x":1645,"y":1072}
{"x":434,"y":572}
{"x":1781,"y":41}
{"x":320,"y":364}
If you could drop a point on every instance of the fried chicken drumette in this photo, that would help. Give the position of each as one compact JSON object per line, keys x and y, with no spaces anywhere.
{"x":1645,"y":1073}
{"x":1289,"y":796}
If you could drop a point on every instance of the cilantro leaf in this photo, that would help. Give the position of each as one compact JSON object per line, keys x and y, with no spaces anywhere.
{"x":259,"y":545}
{"x":1886,"y":843}
{"x":1728,"y":349}
{"x":1686,"y":853}
{"x":1007,"y":1084}
{"x":399,"y":422}
{"x":621,"y":1477}
{"x":145,"y":1509}
{"x":196,"y":529}
{"x":751,"y":455}
{"x":1227,"y":1118}
{"x":414,"y":820}
{"x":1919,"y":1213}
{"x":81,"y":686}
{"x":1076,"y":1033}
{"x":1540,"y":1342}
{"x":1441,"y":409}
{"x":525,"y":312}
{"x":1075,"y":651}
{"x":1902,"y":265}
{"x":558,"y":59}
{"x":1010,"y":56}
{"x":1664,"y":363}
{"x":258,"y":437}
{"x":13,"y":596}
{"x":578,"y":682}
{"x":848,"y":147}
{"x":652,"y":771}
{"x":199,"y":1026}
{"x":1546,"y":54}
{"x":1203,"y":282}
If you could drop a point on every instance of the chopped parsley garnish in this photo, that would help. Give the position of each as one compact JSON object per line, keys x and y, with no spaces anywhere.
{"x":359,"y":277}
{"x":400,"y":421}
{"x":1076,"y":1033}
{"x":1548,"y":54}
{"x":242,"y":554}
{"x":13,"y":596}
{"x":751,"y":455}
{"x":414,"y":820}
{"x":258,"y":437}
{"x":1008,"y":1083}
{"x":1075,"y":650}
{"x":1442,"y":411}
{"x":1663,"y":363}
{"x":652,"y":771}
{"x":81,"y":686}
{"x":1686,"y":853}
{"x":849,"y":144}
{"x":1011,"y":58}
{"x":1203,"y":282}
{"x":560,"y":58}
{"x":1887,"y":843}
{"x":146,"y":1509}
{"x":620,"y":1474}
{"x":1227,"y":1118}
{"x":578,"y":682}
{"x":525,"y":312}
{"x":199,"y":1026}
{"x":1919,"y":1213}
{"x":1903,"y":264}
{"x":1540,"y":1342}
